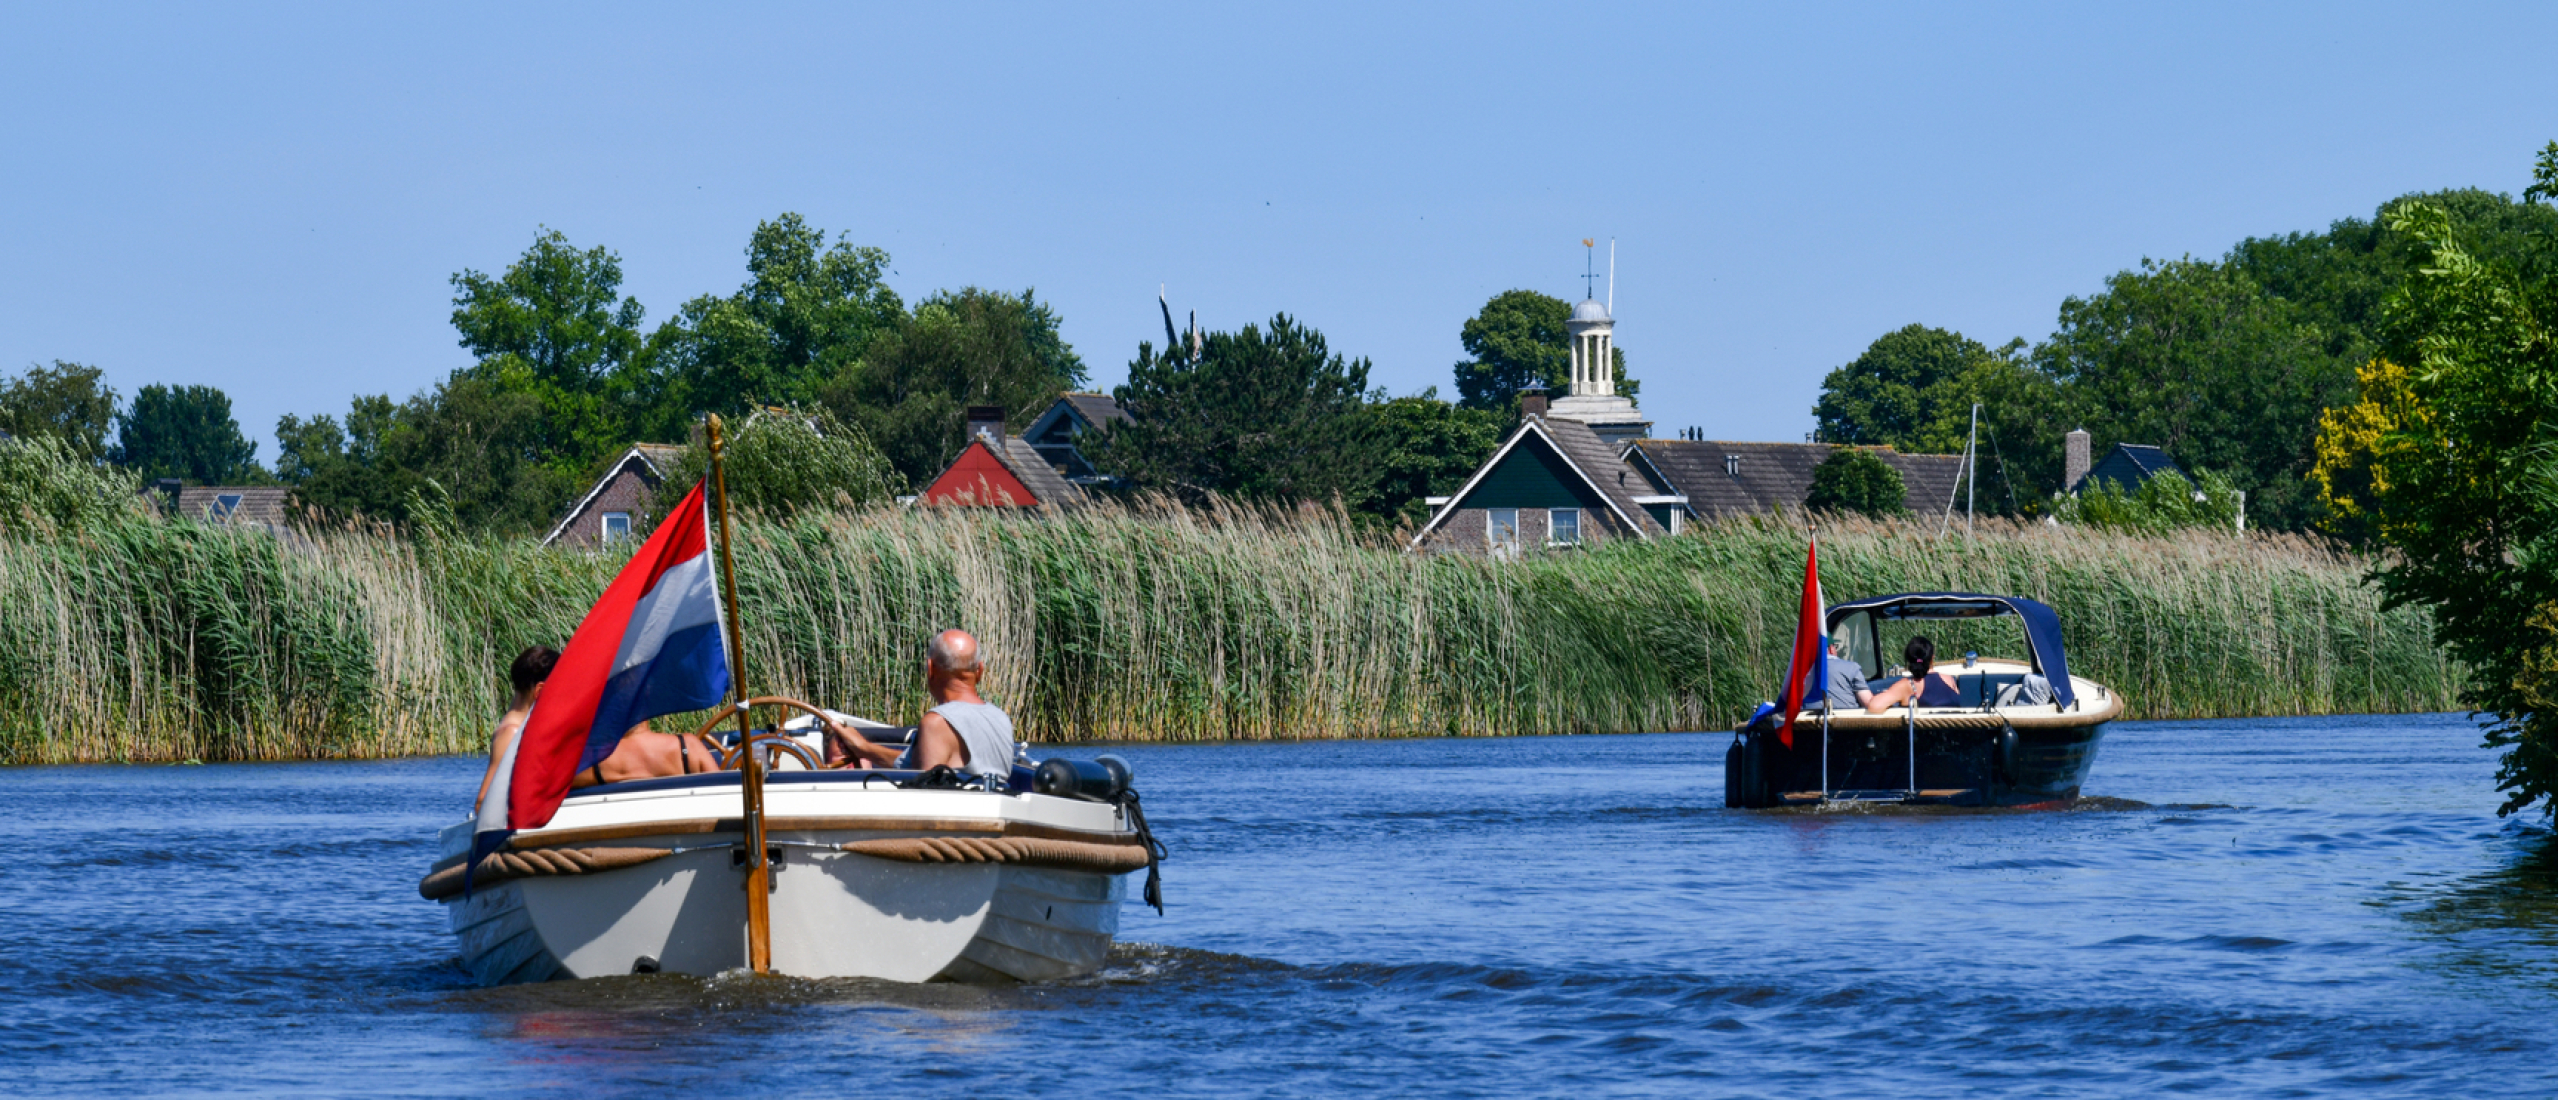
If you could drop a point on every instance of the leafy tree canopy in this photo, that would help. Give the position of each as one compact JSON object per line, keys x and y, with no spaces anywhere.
{"x":1853,"y":480}
{"x":2464,"y":468}
{"x":2199,"y":359}
{"x":805,"y":315}
{"x":185,"y":432}
{"x":910,"y":390}
{"x":2231,"y":364}
{"x":65,"y":402}
{"x":1428,"y":448}
{"x":468,"y":447}
{"x":1912,"y":390}
{"x":553,"y":326}
{"x":1517,"y":341}
{"x":2168,"y":502}
{"x":781,"y":463}
{"x":1261,"y":414}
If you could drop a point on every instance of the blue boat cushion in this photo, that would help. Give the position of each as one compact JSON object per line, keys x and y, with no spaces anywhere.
{"x":1978,"y":689}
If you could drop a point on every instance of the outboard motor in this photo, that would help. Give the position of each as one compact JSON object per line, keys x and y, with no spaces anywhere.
{"x":1102,"y":780}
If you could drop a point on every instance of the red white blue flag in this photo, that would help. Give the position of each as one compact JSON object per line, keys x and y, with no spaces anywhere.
{"x":651,"y":646}
{"x":1809,"y":670}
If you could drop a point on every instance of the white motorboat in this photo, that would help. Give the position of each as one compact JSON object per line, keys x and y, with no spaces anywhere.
{"x":873,"y":874}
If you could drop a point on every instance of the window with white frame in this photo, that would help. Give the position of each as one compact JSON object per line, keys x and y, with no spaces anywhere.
{"x":617,"y":526}
{"x":1501,"y":529}
{"x":1563,"y":527}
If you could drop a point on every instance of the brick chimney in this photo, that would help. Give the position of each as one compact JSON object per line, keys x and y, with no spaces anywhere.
{"x":2080,"y":458}
{"x":1532,"y":401}
{"x":985,"y":420}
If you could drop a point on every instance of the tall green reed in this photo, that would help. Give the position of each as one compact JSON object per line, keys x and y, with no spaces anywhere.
{"x":141,"y":640}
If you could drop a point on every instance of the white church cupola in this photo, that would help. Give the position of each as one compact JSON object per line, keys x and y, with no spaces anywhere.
{"x":1594,"y":400}
{"x":1593,"y":349}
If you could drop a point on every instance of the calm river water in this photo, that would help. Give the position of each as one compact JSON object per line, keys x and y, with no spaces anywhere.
{"x":2257,"y":908}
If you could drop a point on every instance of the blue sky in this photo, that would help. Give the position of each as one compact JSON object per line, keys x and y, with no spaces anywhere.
{"x":271,"y":199}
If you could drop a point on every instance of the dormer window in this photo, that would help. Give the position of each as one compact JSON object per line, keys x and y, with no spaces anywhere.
{"x":1731,"y":465}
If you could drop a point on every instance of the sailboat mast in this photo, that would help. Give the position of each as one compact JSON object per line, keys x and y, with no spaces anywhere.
{"x":1971,"y":472}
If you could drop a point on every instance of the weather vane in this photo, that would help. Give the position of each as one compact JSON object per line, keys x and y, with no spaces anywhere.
{"x":1589,"y":265}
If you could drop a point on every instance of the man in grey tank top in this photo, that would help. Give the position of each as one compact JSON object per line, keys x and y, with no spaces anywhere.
{"x":963,"y":730}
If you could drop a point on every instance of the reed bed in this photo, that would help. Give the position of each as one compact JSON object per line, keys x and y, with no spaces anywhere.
{"x":141,"y":640}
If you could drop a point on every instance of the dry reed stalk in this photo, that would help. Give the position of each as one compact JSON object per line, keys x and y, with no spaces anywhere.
{"x":149,"y":641}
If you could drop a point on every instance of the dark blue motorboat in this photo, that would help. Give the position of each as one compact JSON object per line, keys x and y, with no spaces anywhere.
{"x":2015,"y":732}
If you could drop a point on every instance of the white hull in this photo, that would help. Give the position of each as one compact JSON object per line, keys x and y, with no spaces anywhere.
{"x":834,"y":914}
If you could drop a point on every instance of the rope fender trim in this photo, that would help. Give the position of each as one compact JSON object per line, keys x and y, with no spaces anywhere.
{"x":1064,"y":855}
{"x":503,"y":865}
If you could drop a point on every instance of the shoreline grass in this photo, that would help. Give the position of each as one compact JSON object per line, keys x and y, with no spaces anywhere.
{"x":146,"y":641}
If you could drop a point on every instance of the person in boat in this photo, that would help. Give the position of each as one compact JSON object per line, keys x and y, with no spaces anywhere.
{"x":1928,"y":687}
{"x":1847,"y":687}
{"x":963,"y":731}
{"x":648,"y":754}
{"x":531,"y":667}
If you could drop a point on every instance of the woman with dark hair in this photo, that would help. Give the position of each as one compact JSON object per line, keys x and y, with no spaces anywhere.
{"x":531,"y":667}
{"x":1929,"y":687}
{"x":643,"y":753}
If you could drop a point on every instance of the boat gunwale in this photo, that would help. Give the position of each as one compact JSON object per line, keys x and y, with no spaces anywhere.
{"x":1970,"y":718}
{"x":714,"y":826}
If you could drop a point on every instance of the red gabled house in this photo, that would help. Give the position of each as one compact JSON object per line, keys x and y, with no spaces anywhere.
{"x":998,"y":470}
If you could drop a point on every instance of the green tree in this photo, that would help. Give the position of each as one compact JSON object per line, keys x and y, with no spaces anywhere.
{"x":554,"y":326}
{"x":1259,"y":414}
{"x":185,"y":432}
{"x":805,"y":315}
{"x":2197,"y":358}
{"x":1853,"y":480}
{"x":2466,"y":481}
{"x":1428,"y":448}
{"x":2340,"y":279}
{"x":785,"y":463}
{"x":340,"y":468}
{"x":66,"y":402}
{"x":477,"y":442}
{"x":2161,"y":504}
{"x":1912,"y":390}
{"x":46,"y":484}
{"x":909,"y":392}
{"x":1517,"y":341}
{"x":469,"y":447}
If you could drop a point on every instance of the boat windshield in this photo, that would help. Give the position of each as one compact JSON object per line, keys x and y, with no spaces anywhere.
{"x":1957,"y":623}
{"x":1856,"y":634}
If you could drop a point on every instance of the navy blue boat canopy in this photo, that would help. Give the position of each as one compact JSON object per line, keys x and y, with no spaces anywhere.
{"x":2042,"y":625}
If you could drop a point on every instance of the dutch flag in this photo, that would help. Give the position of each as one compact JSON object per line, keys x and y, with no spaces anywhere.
{"x":652,"y":646}
{"x":1807,"y":673}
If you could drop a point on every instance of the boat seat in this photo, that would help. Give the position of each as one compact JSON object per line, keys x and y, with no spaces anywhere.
{"x":1972,"y":690}
{"x":1980,"y":689}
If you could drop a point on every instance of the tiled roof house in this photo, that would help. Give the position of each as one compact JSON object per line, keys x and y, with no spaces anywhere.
{"x":255,"y":507}
{"x":1553,"y":484}
{"x":998,"y":470}
{"x":1053,"y":435}
{"x":608,"y":512}
{"x":1721,"y":478}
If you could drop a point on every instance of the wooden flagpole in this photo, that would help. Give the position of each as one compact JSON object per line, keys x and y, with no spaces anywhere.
{"x":759,"y":871}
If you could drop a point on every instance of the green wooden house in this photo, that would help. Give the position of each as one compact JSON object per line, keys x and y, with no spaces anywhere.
{"x":1553,"y":484}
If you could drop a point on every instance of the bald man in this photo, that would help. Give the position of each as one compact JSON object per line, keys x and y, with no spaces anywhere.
{"x":962,"y":730}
